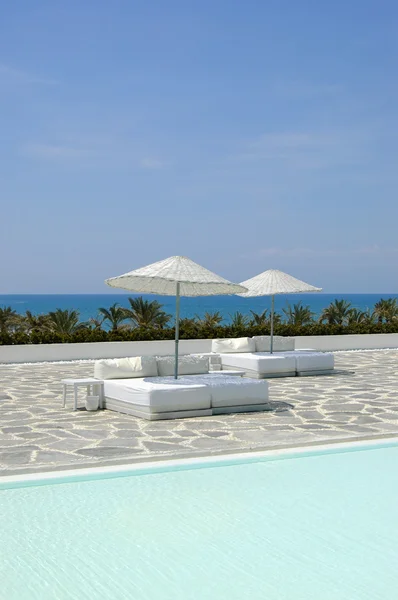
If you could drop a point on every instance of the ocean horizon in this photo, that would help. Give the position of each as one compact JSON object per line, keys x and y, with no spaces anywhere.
{"x":88,"y":304}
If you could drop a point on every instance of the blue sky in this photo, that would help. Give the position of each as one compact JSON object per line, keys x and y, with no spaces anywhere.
{"x":245,"y":135}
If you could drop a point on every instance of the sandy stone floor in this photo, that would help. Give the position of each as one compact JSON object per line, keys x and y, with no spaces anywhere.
{"x":36,"y":433}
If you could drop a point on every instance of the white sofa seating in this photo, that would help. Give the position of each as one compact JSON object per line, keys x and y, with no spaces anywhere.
{"x":308,"y":362}
{"x":241,"y":353}
{"x":260,"y":364}
{"x":284,"y":362}
{"x":159,"y":396}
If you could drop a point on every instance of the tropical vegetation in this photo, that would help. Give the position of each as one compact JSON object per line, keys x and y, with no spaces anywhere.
{"x":146,"y":313}
{"x":386,"y":310}
{"x":147,"y":320}
{"x":114,"y":315}
{"x":298,"y":314}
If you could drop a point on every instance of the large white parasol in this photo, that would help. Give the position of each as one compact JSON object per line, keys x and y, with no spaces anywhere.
{"x":175,"y":276}
{"x":274,"y":282}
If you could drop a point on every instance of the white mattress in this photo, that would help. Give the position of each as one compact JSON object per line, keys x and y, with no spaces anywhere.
{"x":160,"y":394}
{"x":229,"y":390}
{"x":164,"y":394}
{"x":311,"y":361}
{"x":260,"y":362}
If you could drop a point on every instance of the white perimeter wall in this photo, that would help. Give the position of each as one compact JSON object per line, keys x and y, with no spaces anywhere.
{"x":54,"y":352}
{"x":49,"y":352}
{"x":348,"y":342}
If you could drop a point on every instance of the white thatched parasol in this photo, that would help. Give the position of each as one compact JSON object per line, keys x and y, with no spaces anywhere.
{"x":175,"y":276}
{"x":274,"y":282}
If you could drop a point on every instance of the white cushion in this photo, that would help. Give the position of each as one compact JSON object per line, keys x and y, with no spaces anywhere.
{"x":259,"y":362}
{"x":263,"y":343}
{"x":126,"y":368}
{"x":187,"y":365}
{"x":281,"y":344}
{"x":227,"y":390}
{"x":160,"y":394}
{"x":223,"y":345}
{"x":316,"y":361}
{"x":285,"y":344}
{"x":312,"y":361}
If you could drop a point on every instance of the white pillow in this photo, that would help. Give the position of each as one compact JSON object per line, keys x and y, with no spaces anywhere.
{"x":225,"y":345}
{"x":126,"y":368}
{"x":263,"y":343}
{"x":285,"y":344}
{"x":187,"y":365}
{"x":281,"y":344}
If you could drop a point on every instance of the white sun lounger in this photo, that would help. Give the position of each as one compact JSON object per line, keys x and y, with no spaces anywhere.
{"x":156,"y":398}
{"x":260,"y":365}
{"x":252,"y":356}
{"x":311,"y":363}
{"x":162,"y":397}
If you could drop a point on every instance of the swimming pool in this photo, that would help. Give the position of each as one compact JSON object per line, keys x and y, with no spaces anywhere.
{"x":315,"y":526}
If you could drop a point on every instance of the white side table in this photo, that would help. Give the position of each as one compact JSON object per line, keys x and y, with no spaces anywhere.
{"x":89,"y":383}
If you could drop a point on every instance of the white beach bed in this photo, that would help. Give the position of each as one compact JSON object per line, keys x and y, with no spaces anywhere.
{"x":190,"y":396}
{"x":252,"y":356}
{"x":155,"y":397}
{"x":158,"y":397}
{"x":259,"y":364}
{"x":309,"y":362}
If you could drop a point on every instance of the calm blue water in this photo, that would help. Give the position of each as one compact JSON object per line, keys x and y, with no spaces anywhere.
{"x":88,"y":304}
{"x":318,"y":527}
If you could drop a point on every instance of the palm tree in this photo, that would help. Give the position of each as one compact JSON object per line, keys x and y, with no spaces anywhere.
{"x":364,"y":317}
{"x":146,"y":313}
{"x":35,"y":322}
{"x":188,"y":324}
{"x":95,"y":323}
{"x":9,"y":319}
{"x":239,"y":320}
{"x":298,"y":314}
{"x":210,"y":319}
{"x":337,"y":313}
{"x":115,"y":315}
{"x":260,"y":319}
{"x":64,"y":322}
{"x":386,"y":310}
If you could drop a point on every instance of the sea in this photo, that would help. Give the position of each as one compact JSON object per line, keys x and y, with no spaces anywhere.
{"x":88,"y":304}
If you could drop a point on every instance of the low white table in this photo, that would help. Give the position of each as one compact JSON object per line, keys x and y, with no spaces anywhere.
{"x":89,"y":383}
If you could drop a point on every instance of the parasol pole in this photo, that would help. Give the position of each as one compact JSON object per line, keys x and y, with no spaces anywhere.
{"x":272,"y":324}
{"x":177,"y":329}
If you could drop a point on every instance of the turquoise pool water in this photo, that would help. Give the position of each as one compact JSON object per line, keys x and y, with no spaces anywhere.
{"x":318,"y":527}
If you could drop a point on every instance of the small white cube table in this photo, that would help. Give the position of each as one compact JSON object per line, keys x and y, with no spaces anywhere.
{"x":89,"y":383}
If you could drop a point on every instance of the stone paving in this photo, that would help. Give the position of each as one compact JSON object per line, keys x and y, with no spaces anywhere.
{"x":36,"y":433}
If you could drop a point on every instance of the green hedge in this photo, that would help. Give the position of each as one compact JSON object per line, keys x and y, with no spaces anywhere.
{"x":191,"y":332}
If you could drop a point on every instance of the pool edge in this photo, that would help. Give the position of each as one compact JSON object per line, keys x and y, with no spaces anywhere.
{"x":189,"y":463}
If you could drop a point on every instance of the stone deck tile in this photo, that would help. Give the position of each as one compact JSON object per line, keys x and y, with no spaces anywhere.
{"x":36,"y":433}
